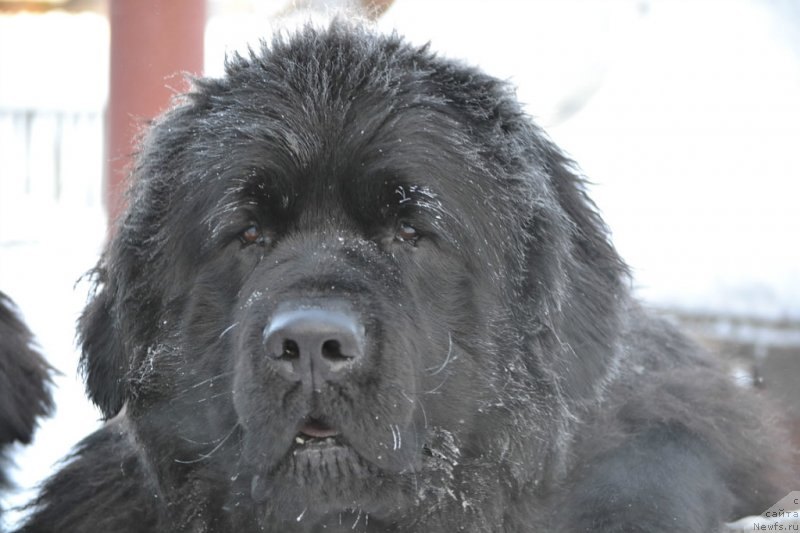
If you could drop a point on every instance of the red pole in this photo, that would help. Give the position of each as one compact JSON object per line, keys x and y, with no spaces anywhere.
{"x":152,"y":43}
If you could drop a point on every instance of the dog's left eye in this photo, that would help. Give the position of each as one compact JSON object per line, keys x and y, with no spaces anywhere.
{"x":407,"y":233}
{"x":252,"y":235}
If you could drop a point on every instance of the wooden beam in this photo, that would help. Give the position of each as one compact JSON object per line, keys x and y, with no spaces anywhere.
{"x":152,"y":43}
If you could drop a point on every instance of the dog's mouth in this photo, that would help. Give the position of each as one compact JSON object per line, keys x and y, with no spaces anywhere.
{"x":320,"y":454}
{"x":316,"y":434}
{"x":315,"y":429}
{"x":320,"y":462}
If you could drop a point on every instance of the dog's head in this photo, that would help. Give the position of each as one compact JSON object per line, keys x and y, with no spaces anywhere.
{"x":335,"y":274}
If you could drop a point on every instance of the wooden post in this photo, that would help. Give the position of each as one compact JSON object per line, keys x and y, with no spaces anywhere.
{"x":152,"y":43}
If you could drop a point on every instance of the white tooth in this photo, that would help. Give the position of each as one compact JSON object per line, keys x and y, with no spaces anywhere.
{"x":299,"y":440}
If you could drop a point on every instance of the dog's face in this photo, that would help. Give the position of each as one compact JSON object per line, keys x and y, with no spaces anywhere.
{"x":327,"y":291}
{"x":317,"y":269}
{"x":355,"y":322}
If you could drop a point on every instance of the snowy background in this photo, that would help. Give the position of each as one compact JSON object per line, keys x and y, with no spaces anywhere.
{"x":684,"y":115}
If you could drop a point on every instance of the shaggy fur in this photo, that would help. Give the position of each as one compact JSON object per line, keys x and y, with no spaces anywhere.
{"x":24,"y":384}
{"x":505,"y":380}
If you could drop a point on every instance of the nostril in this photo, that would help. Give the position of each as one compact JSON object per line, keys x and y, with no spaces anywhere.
{"x":290,"y":350}
{"x":314,"y":344}
{"x":332,"y":351}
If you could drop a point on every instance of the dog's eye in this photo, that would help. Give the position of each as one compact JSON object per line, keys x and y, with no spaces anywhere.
{"x":251,"y":235}
{"x":406,"y":233}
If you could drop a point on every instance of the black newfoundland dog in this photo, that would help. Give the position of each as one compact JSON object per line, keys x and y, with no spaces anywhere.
{"x":24,"y":384}
{"x":357,"y":289}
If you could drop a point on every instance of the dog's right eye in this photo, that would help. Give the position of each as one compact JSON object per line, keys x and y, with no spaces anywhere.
{"x":251,"y":235}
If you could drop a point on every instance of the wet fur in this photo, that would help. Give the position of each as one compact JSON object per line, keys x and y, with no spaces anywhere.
{"x":527,"y":389}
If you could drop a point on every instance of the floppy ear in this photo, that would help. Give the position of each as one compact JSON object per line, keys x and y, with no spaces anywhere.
{"x":586,"y":312}
{"x":103,"y":360}
{"x":590,"y":236}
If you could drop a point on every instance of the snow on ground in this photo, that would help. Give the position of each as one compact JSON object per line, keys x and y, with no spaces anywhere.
{"x":40,"y":265}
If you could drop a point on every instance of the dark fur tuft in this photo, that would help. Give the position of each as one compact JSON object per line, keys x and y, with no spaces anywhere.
{"x":24,"y":383}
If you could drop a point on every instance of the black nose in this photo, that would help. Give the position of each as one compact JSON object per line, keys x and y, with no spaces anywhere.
{"x":314,"y":344}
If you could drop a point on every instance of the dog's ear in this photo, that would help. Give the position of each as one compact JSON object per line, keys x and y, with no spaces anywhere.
{"x":103,"y":360}
{"x":591,"y":280}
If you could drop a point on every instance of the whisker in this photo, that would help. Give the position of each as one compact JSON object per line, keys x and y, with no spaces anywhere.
{"x":396,"y":437}
{"x":229,"y":328}
{"x":446,"y":360}
{"x":421,"y":406}
{"x":215,"y":396}
{"x":437,"y":387}
{"x":208,"y":455}
{"x":203,"y":382}
{"x":215,"y":441}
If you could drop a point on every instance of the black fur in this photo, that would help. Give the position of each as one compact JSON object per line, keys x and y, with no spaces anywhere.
{"x":24,"y":384}
{"x":511,"y":383}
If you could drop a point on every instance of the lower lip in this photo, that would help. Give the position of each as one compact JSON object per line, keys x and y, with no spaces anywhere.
{"x":311,"y":431}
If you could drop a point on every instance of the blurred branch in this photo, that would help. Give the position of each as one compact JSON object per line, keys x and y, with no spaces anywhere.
{"x":42,"y":6}
{"x":371,"y":9}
